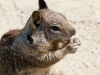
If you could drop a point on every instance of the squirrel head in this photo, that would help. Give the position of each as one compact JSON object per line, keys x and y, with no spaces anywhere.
{"x":46,"y":31}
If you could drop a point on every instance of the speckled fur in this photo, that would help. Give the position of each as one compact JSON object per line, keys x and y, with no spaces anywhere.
{"x":35,"y":49}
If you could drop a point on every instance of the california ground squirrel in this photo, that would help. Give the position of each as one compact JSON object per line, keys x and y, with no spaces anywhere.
{"x":38,"y":48}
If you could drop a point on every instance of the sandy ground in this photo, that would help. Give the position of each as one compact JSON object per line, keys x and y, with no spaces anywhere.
{"x":83,"y":15}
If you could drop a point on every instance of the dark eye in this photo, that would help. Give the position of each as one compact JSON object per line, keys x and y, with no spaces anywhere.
{"x":55,"y":28}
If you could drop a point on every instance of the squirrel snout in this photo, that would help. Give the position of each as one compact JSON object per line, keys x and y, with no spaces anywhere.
{"x":72,"y":31}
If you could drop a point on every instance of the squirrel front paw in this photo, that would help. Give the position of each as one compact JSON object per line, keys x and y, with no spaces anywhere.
{"x":73,"y":45}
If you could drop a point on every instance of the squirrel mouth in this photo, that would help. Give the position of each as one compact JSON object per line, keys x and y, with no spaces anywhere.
{"x":63,"y":44}
{"x":58,"y":44}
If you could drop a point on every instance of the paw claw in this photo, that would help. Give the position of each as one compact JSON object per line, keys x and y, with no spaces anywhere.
{"x":76,"y":40}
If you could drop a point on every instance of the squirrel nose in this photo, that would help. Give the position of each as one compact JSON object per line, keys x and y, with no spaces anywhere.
{"x":72,"y":31}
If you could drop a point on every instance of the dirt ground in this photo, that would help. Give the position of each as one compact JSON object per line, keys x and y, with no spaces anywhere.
{"x":83,"y":15}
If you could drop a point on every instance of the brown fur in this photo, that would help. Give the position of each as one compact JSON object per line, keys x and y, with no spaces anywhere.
{"x":40,"y":46}
{"x":9,"y":37}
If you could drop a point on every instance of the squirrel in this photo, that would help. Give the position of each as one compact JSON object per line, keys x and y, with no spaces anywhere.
{"x":39,"y":47}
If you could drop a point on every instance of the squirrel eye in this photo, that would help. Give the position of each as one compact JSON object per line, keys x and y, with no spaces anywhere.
{"x":55,"y":28}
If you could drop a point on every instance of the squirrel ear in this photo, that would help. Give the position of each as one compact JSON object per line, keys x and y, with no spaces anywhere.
{"x":42,"y":4}
{"x":35,"y":16}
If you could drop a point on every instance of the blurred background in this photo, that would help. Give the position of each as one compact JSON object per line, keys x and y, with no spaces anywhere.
{"x":83,"y":15}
